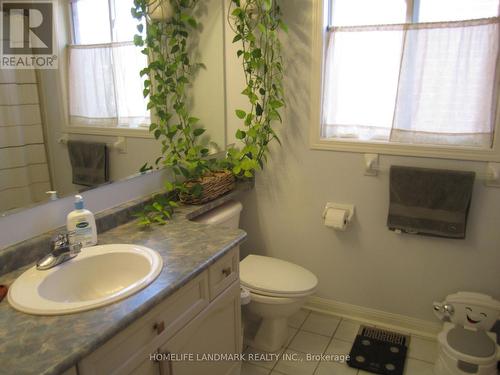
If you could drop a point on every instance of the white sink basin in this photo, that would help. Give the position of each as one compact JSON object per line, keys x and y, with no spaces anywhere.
{"x":98,"y":276}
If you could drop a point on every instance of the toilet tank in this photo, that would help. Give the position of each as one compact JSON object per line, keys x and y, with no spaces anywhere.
{"x":226,"y":215}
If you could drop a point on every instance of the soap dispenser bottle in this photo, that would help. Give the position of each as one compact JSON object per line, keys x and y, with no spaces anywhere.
{"x":81,"y":223}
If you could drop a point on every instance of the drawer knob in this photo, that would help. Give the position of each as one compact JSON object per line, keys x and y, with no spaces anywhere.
{"x":159,"y":327}
{"x":226,"y":271}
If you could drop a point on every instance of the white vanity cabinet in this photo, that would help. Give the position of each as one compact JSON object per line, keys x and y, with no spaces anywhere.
{"x":201,"y":320}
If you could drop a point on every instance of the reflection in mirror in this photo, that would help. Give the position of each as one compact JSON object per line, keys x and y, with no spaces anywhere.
{"x":24,"y":169}
{"x":95,"y":96}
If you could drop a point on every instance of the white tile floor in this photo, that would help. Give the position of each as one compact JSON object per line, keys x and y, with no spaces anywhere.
{"x":311,"y":332}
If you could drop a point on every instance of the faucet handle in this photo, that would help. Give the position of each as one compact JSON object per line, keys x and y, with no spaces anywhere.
{"x":63,"y":238}
{"x":75,"y":248}
{"x":59,"y":240}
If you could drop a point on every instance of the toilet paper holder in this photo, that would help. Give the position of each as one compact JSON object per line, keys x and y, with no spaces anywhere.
{"x":339,"y":206}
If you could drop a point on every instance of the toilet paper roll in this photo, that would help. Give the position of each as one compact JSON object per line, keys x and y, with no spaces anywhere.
{"x":336,"y":218}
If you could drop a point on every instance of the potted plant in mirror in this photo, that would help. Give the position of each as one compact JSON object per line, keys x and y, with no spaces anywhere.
{"x":169,"y":74}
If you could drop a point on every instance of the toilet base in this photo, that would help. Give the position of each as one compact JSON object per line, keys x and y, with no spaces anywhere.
{"x":271,"y":335}
{"x":272,"y":313}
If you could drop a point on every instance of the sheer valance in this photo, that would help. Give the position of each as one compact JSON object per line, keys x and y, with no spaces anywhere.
{"x":422,"y":83}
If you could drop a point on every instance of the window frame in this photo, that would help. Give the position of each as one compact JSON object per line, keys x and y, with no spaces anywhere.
{"x":320,"y":22}
{"x":71,"y":127}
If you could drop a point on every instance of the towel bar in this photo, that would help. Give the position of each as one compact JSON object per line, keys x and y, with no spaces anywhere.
{"x":120,"y":144}
{"x":491,"y":176}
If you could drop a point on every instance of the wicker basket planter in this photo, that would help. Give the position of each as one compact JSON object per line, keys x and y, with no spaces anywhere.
{"x":214,"y":185}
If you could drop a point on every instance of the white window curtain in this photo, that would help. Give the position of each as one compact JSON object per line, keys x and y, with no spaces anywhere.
{"x":428,"y":83}
{"x":105,"y":87}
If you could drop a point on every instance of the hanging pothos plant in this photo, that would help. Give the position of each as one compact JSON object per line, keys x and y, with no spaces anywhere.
{"x":168,"y":75}
{"x":256,"y":24}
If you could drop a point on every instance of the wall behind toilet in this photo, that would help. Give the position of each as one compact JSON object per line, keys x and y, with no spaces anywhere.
{"x":368,"y":265}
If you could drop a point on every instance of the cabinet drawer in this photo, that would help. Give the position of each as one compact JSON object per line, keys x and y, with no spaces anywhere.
{"x":128,"y":349}
{"x":224,"y":272}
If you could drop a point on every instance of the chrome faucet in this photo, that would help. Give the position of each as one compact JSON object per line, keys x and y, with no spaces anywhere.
{"x":61,"y":251}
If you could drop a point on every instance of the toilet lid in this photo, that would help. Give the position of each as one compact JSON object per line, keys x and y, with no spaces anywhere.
{"x":472,"y":343}
{"x":273,"y":276}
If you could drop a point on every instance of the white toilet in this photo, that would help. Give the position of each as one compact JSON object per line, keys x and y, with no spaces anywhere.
{"x":278,"y":288}
{"x":465,"y":344}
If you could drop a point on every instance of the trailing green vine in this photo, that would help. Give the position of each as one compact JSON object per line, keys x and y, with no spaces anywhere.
{"x":256,"y":24}
{"x":169,"y":74}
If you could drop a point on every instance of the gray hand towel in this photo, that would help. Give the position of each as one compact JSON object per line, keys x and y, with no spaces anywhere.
{"x":430,"y":201}
{"x":89,"y":162}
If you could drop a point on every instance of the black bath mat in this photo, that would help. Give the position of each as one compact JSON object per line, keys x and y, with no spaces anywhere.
{"x":379,"y":351}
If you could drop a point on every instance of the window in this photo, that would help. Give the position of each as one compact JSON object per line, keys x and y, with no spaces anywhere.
{"x":410,"y":73}
{"x":105,"y":87}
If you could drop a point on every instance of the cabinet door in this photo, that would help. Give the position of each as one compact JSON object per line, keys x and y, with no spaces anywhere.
{"x":146,"y":367}
{"x":215,"y":332}
{"x":130,"y":348}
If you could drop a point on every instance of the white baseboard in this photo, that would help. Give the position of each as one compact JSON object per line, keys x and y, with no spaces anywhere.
{"x":382,"y":319}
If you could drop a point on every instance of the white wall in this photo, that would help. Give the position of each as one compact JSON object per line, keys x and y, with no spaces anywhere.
{"x":368,"y":265}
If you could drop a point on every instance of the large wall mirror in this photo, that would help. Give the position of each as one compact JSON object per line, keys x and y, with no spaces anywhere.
{"x":94,"y":96}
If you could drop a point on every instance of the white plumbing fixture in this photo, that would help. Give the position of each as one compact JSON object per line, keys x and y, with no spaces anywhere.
{"x":371,"y":164}
{"x":465,"y":344}
{"x":278,"y":289}
{"x":492,"y":175}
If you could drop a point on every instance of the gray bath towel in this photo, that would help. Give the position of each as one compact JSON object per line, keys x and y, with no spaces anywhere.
{"x":89,"y":162}
{"x":430,"y":201}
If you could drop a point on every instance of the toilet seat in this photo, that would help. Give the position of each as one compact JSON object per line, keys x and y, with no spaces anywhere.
{"x":480,"y":348}
{"x":276,"y":278}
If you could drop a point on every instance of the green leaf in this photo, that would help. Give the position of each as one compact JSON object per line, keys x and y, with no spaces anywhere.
{"x":241,"y":114}
{"x":145,"y":168}
{"x":237,"y":38}
{"x":169,"y":186}
{"x":237,"y":170}
{"x":276,"y":103}
{"x":196,"y":190}
{"x":258,"y":110}
{"x":198,"y":132}
{"x":240,"y":134}
{"x":237,"y":12}
{"x":138,"y":40}
{"x":283,"y":26}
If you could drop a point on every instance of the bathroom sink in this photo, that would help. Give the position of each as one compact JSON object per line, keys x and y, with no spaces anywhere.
{"x":98,"y":276}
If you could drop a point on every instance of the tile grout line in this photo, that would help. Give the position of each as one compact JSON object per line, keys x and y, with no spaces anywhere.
{"x":300,"y":328}
{"x":328,"y":345}
{"x":288,"y":343}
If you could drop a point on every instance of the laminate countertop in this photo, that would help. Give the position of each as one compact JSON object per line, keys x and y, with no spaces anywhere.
{"x":52,"y":344}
